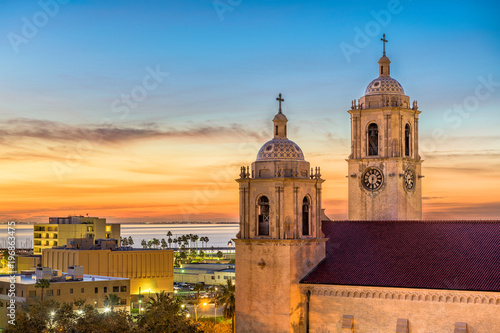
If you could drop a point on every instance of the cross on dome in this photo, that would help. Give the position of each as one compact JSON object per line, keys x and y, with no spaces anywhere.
{"x":384,"y":41}
{"x":279,"y":99}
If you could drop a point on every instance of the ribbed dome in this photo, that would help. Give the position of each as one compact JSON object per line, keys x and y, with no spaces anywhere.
{"x":384,"y":85}
{"x":280,"y":149}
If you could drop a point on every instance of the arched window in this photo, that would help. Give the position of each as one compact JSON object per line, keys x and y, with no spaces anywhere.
{"x":407,"y":140}
{"x":276,"y":130}
{"x":372,"y":140}
{"x":264,"y":216}
{"x":305,"y":216}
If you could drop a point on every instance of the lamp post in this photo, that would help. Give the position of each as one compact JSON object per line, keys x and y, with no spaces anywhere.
{"x":215,"y":311}
{"x":196,"y":312}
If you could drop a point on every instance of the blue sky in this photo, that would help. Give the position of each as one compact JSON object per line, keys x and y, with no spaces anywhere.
{"x":225,"y":69}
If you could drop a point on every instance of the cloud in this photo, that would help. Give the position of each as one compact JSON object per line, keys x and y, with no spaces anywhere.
{"x":22,"y":128}
{"x":461,"y":211}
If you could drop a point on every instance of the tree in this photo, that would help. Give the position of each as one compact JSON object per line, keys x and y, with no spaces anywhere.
{"x":163,"y":244}
{"x":202,"y":254}
{"x":227,"y":300}
{"x":164,"y":315}
{"x":130,"y":241}
{"x":42,"y":283}
{"x":193,"y":255}
{"x":175,"y":242}
{"x":124,"y":241}
{"x":144,"y":244}
{"x":220,"y":254}
{"x":150,"y":243}
{"x":169,"y":235}
{"x":111,"y":300}
{"x":155,"y":242}
{"x":195,"y":238}
{"x":212,"y":252}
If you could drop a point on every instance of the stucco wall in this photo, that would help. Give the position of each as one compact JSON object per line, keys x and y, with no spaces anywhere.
{"x":376,"y":310}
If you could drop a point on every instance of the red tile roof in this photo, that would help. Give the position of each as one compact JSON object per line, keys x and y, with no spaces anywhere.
{"x":460,"y":255}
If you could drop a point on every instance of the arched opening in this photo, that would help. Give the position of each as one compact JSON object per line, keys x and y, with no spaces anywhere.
{"x":276,"y":130}
{"x":407,"y":140}
{"x":263,"y":216}
{"x":381,"y":70}
{"x":305,"y":216}
{"x":373,"y":140}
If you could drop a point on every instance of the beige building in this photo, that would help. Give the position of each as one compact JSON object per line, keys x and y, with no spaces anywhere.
{"x":149,"y":270}
{"x":209,"y":274}
{"x":60,"y":229}
{"x":92,"y":288}
{"x":383,"y":270}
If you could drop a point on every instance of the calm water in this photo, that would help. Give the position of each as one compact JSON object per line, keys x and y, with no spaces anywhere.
{"x":218,"y":234}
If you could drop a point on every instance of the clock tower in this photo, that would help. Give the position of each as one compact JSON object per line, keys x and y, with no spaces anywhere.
{"x":384,"y":164}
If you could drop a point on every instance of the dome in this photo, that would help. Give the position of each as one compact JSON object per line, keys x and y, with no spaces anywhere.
{"x":384,"y":85}
{"x":280,"y":149}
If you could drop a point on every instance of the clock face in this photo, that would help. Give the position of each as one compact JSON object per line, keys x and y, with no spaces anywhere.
{"x":372,"y":179}
{"x":409,"y":179}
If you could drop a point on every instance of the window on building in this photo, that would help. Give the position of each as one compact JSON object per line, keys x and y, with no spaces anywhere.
{"x":1,"y":291}
{"x":372,"y":140}
{"x":225,"y":277}
{"x":82,"y":290}
{"x":123,"y":302}
{"x":276,"y":130}
{"x":71,"y":290}
{"x":105,"y":290}
{"x":96,"y":290}
{"x":264,"y":216}
{"x":213,"y":277}
{"x":22,"y":293}
{"x":123,"y":289}
{"x":58,"y":292}
{"x":305,"y":216}
{"x":32,"y":293}
{"x":407,"y":140}
{"x":1,"y":304}
{"x":49,"y":292}
{"x":116,"y":289}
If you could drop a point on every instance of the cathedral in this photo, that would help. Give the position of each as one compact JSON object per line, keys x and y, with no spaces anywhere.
{"x":382,"y":270}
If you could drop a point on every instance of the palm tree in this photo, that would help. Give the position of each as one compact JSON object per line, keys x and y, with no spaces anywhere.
{"x":175,"y":241}
{"x":212,"y":252}
{"x":124,"y":241}
{"x":42,"y":283}
{"x":156,"y":242}
{"x":195,"y":238}
{"x":227,"y":300}
{"x":111,"y":300}
{"x":163,"y":244}
{"x":130,"y":241}
{"x":169,"y":235}
{"x":220,"y":254}
{"x":144,"y":244}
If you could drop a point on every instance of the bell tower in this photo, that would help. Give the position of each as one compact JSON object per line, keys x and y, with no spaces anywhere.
{"x":384,"y":164}
{"x":280,"y":238}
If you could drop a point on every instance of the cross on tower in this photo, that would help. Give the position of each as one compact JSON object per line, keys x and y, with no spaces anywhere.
{"x":279,"y":99}
{"x":384,"y":41}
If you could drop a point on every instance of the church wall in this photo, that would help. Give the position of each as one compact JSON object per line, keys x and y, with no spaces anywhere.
{"x":376,"y":309}
{"x":268,"y":296}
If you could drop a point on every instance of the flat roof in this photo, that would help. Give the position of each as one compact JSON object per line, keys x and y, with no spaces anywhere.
{"x":23,"y":279}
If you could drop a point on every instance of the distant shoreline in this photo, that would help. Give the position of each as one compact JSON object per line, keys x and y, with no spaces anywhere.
{"x":175,"y":222}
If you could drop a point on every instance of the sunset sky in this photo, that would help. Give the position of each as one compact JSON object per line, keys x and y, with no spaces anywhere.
{"x":145,"y":110}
